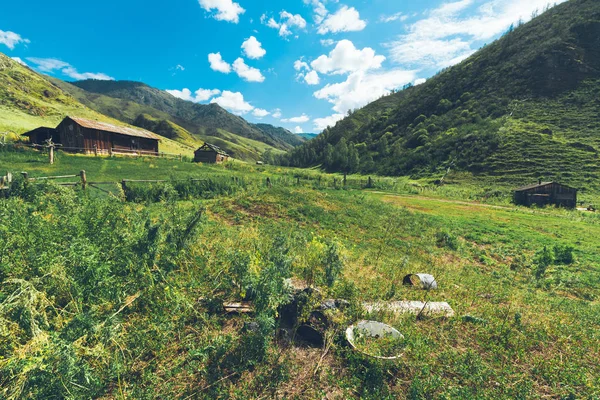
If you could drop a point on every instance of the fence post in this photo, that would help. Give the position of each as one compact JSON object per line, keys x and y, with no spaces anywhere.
{"x":345,"y":178}
{"x":51,"y":154}
{"x":370,"y":183}
{"x":95,"y":150}
{"x":269,"y":184}
{"x":123,"y":185}
{"x":180,"y":158}
{"x":298,"y":181}
{"x":83,"y":179}
{"x":25,"y":175}
{"x":110,"y":152}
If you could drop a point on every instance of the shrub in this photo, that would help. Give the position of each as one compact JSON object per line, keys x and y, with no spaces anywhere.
{"x":448,"y":240}
{"x":542,"y":260}
{"x":564,"y":254}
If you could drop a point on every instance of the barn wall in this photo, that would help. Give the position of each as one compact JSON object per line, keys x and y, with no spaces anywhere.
{"x":206,"y":156}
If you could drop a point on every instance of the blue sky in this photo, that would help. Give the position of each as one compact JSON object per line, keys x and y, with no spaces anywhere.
{"x":300,"y":64}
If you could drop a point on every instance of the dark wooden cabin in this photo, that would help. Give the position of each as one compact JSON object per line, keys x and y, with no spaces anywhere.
{"x":546,"y":193}
{"x":209,"y":153}
{"x":86,"y":136}
{"x":42,"y":134}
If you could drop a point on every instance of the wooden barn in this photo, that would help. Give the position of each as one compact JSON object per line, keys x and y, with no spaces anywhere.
{"x":42,"y":134}
{"x":546,"y":193}
{"x":86,"y":136}
{"x":209,"y":153}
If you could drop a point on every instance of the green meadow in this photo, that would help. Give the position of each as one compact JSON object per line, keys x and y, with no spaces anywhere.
{"x":114,"y":299}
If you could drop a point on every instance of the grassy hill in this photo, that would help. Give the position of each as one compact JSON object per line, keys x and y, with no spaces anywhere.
{"x":199,"y":119}
{"x":103,"y":298}
{"x":523,"y":107}
{"x":29,"y":100}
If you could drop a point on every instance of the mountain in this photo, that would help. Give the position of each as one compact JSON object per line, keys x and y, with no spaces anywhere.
{"x":523,"y":107}
{"x":29,"y":100}
{"x":280,"y":133}
{"x":307,"y":136}
{"x":198,"y":119}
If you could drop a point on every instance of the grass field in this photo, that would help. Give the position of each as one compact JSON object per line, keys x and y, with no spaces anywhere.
{"x":115,"y":300}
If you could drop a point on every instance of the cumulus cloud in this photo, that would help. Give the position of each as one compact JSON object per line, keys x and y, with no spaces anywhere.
{"x":253,"y":48}
{"x":234,"y":102}
{"x":50,"y":65}
{"x":247,"y":73}
{"x":327,"y":42}
{"x":11,"y":39}
{"x":419,"y":81}
{"x":321,"y":123}
{"x":287,"y":21}
{"x":277,"y":113}
{"x":298,"y":129}
{"x":448,"y":35}
{"x":198,"y":96}
{"x":345,"y":58}
{"x":312,"y":78}
{"x":300,"y":65}
{"x":346,"y":19}
{"x":297,"y":120}
{"x":217,"y":63}
{"x":260,"y":113}
{"x":223,"y":10}
{"x":361,"y":88}
{"x":320,"y":12}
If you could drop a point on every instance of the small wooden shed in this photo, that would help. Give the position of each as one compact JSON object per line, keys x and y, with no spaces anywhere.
{"x":42,"y":134}
{"x":546,"y":193}
{"x":209,"y":153}
{"x":87,"y":136}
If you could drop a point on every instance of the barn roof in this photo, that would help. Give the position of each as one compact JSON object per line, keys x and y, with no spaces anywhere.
{"x":40,"y":129}
{"x":208,"y":146}
{"x":121,"y":130}
{"x":537,"y":185}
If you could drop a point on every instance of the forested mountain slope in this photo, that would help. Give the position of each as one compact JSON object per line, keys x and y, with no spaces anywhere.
{"x":523,"y":107}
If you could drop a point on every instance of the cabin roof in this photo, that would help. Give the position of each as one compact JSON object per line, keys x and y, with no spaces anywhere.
{"x":40,"y":129}
{"x":121,"y":130}
{"x":217,"y":149}
{"x":538,"y":185}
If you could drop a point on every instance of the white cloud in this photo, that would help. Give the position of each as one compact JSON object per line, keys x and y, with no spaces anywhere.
{"x":448,"y":35}
{"x":319,"y":10}
{"x":394,"y":17}
{"x":277,"y":113}
{"x":345,"y":58}
{"x":362,"y":88}
{"x":260,"y":113}
{"x":327,"y":42}
{"x":312,"y":78}
{"x":344,"y":20}
{"x":247,"y":73}
{"x":180,"y":67}
{"x":226,"y":10}
{"x":322,"y":123}
{"x":300,"y":65}
{"x":419,"y":81}
{"x":50,"y":65}
{"x":298,"y":130}
{"x":11,"y":39}
{"x":253,"y":48}
{"x":234,"y":102}
{"x":217,"y":63}
{"x":287,"y":21}
{"x":297,"y":120}
{"x":20,"y":61}
{"x":199,"y":96}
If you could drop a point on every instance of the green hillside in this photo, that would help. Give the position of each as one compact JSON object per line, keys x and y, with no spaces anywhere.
{"x":524,"y":107}
{"x":200,"y":119}
{"x":29,"y":100}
